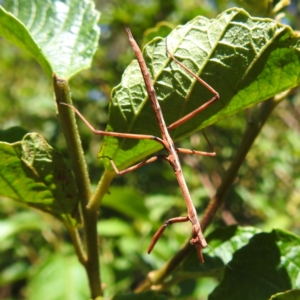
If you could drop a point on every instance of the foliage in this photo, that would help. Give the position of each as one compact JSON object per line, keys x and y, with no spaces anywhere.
{"x":28,"y":27}
{"x":35,"y":174}
{"x":246,"y":59}
{"x":232,"y":46}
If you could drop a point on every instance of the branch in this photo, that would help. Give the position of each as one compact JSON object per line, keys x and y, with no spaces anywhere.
{"x":69,"y":128}
{"x":77,"y":244}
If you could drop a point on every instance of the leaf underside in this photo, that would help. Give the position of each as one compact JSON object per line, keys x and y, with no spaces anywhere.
{"x":61,"y":35}
{"x":246,"y":60}
{"x":33,"y":173}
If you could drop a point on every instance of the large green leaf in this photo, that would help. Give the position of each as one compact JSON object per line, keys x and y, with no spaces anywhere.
{"x":32,"y":172}
{"x":61,"y":35}
{"x":223,"y":243}
{"x":126,"y":201}
{"x":245,"y":59}
{"x":268,"y":264}
{"x":59,"y":277}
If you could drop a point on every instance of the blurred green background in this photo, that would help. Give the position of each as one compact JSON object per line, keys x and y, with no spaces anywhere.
{"x":266,"y":193}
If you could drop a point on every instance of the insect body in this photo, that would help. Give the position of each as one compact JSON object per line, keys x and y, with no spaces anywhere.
{"x":172,"y":152}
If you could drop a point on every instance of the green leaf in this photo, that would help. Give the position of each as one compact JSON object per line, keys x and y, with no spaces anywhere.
{"x":11,"y":229}
{"x":127,"y":201}
{"x":22,"y":221}
{"x":223,"y":243}
{"x":113,"y":227}
{"x":245,"y":59}
{"x":32,"y":172}
{"x":59,"y":277}
{"x":141,"y":296}
{"x":13,"y":272}
{"x":268,"y":264}
{"x":289,"y":295}
{"x":61,"y":35}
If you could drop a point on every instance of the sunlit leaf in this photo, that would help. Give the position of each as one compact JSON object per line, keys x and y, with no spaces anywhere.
{"x":223,"y":243}
{"x":113,"y":227}
{"x":18,"y":223}
{"x":268,"y":264}
{"x":61,"y":35}
{"x":66,"y":277}
{"x":245,"y":59}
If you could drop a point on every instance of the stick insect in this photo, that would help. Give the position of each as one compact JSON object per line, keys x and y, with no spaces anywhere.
{"x":166,"y":141}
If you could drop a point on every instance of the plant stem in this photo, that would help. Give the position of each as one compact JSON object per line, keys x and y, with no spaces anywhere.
{"x":251,"y":132}
{"x":93,"y":264}
{"x":101,"y":189}
{"x":70,"y":131}
{"x":77,"y":244}
{"x":69,"y":128}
